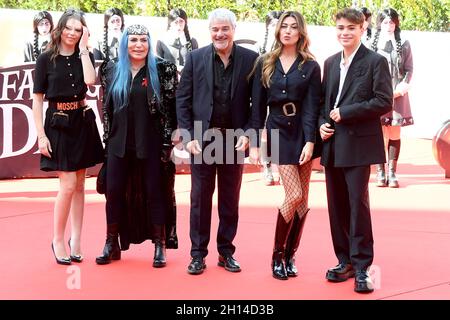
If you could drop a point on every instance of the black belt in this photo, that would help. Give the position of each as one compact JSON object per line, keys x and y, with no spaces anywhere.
{"x":288,"y":109}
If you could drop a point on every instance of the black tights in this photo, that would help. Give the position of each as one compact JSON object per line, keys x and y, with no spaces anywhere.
{"x":296,"y":188}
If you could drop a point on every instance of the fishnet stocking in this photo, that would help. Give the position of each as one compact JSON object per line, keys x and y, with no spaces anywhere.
{"x":296,"y":188}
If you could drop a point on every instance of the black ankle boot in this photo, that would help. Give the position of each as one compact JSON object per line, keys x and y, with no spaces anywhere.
{"x":281,"y":233}
{"x":295,"y":234}
{"x":171,"y":237}
{"x":159,"y":238}
{"x":111,"y":251}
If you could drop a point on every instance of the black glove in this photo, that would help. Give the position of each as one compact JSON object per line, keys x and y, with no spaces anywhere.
{"x":166,"y":152}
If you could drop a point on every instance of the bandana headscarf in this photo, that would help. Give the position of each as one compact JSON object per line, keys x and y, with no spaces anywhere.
{"x":137,"y":29}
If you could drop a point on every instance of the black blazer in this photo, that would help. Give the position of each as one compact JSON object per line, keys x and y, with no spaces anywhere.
{"x":195,"y":91}
{"x":365,"y":96}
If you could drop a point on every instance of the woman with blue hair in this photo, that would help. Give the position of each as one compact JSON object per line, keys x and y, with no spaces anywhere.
{"x":139,"y":117}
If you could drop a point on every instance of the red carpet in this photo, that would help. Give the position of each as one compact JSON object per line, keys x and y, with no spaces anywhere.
{"x":411,"y":230}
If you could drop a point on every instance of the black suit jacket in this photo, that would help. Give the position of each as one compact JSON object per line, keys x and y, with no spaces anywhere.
{"x":195,"y":91}
{"x":365,"y":96}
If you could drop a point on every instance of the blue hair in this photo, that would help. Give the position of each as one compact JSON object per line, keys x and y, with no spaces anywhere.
{"x":122,"y":76}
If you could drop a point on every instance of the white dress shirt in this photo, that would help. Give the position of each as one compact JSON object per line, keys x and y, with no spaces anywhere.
{"x":343,"y":73}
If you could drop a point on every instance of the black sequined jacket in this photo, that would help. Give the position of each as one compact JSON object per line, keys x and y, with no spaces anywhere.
{"x":165,"y":109}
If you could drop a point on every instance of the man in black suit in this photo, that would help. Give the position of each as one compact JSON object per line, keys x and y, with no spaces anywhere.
{"x":357,"y":90}
{"x":213,"y":99}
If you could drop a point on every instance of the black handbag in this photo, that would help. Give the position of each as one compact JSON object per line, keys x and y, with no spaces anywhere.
{"x":101,"y":179}
{"x":59,"y":120}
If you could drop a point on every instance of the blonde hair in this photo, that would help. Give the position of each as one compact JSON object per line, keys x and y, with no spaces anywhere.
{"x":269,"y":59}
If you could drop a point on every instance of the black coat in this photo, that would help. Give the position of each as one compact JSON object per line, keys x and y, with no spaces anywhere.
{"x":365,"y":96}
{"x":135,"y":221}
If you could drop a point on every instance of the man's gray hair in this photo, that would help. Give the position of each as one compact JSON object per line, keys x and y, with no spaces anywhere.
{"x":222,"y":14}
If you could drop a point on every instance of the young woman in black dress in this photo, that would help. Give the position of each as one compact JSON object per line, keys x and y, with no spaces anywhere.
{"x":69,"y":141}
{"x":287,"y":79}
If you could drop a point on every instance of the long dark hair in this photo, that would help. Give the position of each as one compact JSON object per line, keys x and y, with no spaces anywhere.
{"x":180,"y":13}
{"x":41,"y":15}
{"x":393,"y":15}
{"x":55,"y":43}
{"x":367,"y":14}
{"x":108,"y":14}
{"x":302,"y":47}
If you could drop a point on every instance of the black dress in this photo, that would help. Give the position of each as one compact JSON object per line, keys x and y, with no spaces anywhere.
{"x":301,"y":86}
{"x":78,"y":146}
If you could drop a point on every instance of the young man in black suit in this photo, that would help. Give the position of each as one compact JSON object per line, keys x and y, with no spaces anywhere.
{"x":357,"y":90}
{"x":213,"y":98}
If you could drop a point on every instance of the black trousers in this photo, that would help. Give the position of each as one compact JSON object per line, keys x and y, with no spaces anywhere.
{"x":203,"y":179}
{"x":349,"y":212}
{"x":118,"y":171}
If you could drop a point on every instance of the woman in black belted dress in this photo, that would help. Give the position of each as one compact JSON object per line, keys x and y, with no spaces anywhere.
{"x":69,"y":141}
{"x":287,"y":80}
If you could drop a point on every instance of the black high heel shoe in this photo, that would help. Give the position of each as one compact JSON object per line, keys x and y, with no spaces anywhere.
{"x":64,"y":261}
{"x":75,"y":258}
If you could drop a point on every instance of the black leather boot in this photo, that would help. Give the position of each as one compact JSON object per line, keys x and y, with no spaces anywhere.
{"x":159,"y":238}
{"x":392,"y":179}
{"x":281,"y":233}
{"x":171,"y":237}
{"x":111,"y":251}
{"x":295,"y":234}
{"x":381,"y":176}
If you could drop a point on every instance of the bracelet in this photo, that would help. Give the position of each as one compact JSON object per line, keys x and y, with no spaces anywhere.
{"x":42,"y":137}
{"x":84,"y":52}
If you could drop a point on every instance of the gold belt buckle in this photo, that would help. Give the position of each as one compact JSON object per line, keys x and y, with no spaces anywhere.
{"x":294,"y":109}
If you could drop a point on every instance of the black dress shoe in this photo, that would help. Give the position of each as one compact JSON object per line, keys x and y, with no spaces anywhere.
{"x":63,"y":261}
{"x":340,"y":273}
{"x":196,"y":266}
{"x":76,"y":257}
{"x":363,"y":283}
{"x":229,"y":263}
